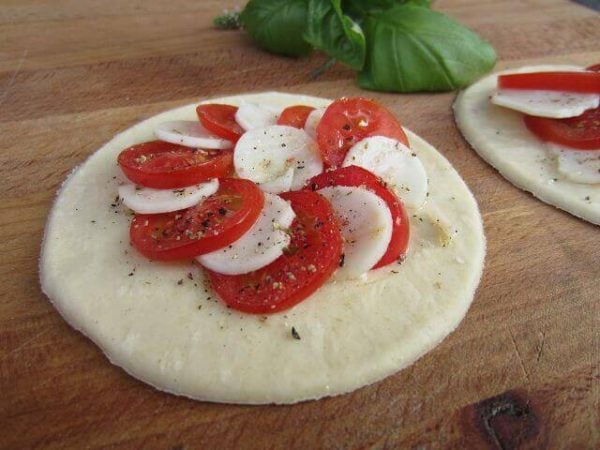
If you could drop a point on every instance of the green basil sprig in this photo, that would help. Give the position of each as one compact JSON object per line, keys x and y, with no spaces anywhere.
{"x":415,"y":49}
{"x":277,"y":25}
{"x":330,"y":30}
{"x":394,"y":45}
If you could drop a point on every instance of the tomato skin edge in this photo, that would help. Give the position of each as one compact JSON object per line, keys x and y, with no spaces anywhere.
{"x":349,"y":176}
{"x":218,"y":165}
{"x":219,"y":119}
{"x":548,"y":130}
{"x":347,"y":121}
{"x":582,"y":82}
{"x":230,"y":295}
{"x":295,"y":116}
{"x":253,"y":197}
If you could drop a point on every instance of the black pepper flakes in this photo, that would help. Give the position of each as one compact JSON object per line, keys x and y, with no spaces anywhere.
{"x":180,"y":282}
{"x":295,"y":334}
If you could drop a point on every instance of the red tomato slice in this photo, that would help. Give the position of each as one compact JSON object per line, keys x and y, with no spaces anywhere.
{"x":581,"y":132}
{"x":312,"y":257}
{"x":359,"y":177}
{"x":220,"y":120}
{"x":552,"y":81}
{"x":161,"y":165}
{"x":349,"y":120}
{"x":215,"y":223}
{"x":594,"y":68}
{"x":295,"y":116}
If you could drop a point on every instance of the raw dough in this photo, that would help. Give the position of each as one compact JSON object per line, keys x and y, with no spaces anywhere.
{"x":499,"y":136}
{"x":159,"y":323}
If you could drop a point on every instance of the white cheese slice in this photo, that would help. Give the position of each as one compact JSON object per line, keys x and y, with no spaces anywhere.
{"x":259,"y":246}
{"x":580,"y":166}
{"x":251,"y":115}
{"x":312,"y":121}
{"x":189,"y":133}
{"x":264,"y":154}
{"x":154,"y":201}
{"x":282,"y":183}
{"x":366,"y":226}
{"x":555,"y":104}
{"x":395,"y":163}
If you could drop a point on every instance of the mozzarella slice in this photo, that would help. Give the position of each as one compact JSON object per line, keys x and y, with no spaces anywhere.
{"x":312,"y":121}
{"x":259,"y":246}
{"x":155,"y":201}
{"x":252,"y":115}
{"x":395,"y":163}
{"x":555,"y":104}
{"x":190,"y":134}
{"x":264,"y":154}
{"x":366,"y":226}
{"x":282,"y":183}
{"x":580,"y":166}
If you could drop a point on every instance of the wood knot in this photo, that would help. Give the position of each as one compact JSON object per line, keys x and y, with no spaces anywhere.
{"x":506,"y":421}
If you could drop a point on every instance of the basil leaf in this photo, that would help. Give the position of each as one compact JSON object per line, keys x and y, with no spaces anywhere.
{"x":330,"y":30}
{"x":277,"y":25}
{"x":421,"y":3}
{"x":359,"y":8}
{"x":412,"y":49}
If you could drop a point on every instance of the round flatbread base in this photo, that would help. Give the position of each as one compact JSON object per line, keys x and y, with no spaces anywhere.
{"x":500,"y":137}
{"x":161,"y":324}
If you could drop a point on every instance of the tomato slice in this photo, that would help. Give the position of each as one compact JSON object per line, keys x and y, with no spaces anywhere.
{"x":585,"y":82}
{"x":359,"y":177}
{"x":215,"y":223}
{"x":349,"y":120}
{"x":162,"y":165}
{"x":594,"y":68}
{"x":220,"y":120}
{"x":581,"y":132}
{"x":295,"y":116}
{"x":312,"y":257}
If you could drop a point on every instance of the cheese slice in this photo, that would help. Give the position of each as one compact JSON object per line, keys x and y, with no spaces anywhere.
{"x":259,"y":246}
{"x":251,"y":115}
{"x":395,"y":163}
{"x":366,"y":225}
{"x":155,"y":201}
{"x":312,"y":121}
{"x":264,"y":154}
{"x":189,"y":133}
{"x":554,"y":104}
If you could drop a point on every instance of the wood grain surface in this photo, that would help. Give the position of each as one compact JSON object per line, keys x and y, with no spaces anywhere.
{"x":522,"y":370}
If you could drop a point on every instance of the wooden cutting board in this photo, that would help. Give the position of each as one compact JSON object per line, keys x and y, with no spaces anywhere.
{"x":522,"y":370}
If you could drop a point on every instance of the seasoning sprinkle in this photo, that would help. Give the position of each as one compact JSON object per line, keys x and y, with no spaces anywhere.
{"x":295,"y":334}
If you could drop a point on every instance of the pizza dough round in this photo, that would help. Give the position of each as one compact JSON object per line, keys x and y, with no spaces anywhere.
{"x":500,"y":137}
{"x":162,"y":325}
